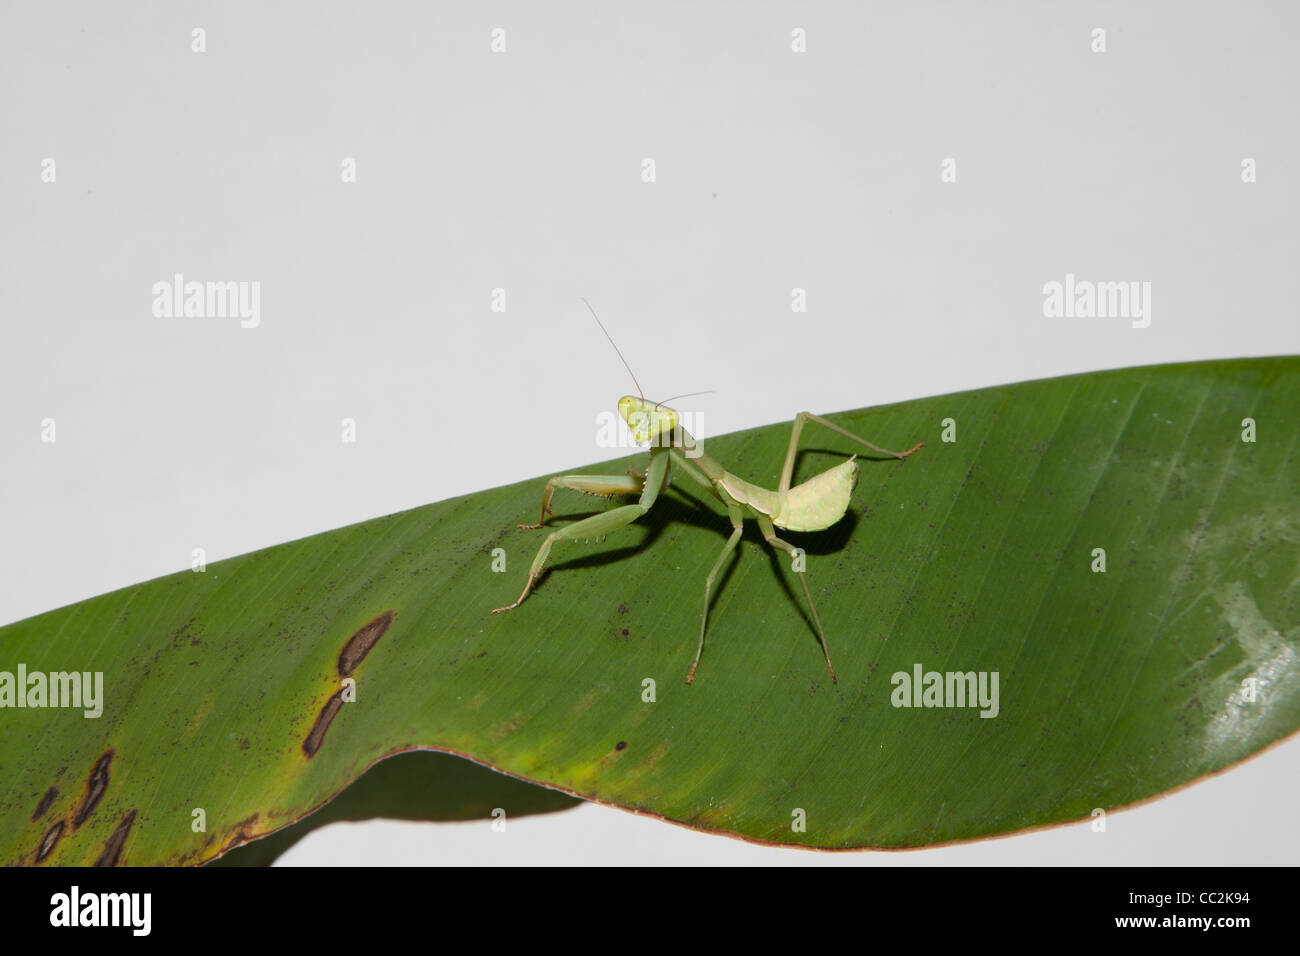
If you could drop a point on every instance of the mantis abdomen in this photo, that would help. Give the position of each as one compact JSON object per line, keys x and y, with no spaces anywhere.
{"x":814,"y":505}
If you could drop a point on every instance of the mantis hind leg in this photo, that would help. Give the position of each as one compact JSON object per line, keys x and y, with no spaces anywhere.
{"x":787,"y":473}
{"x":769,"y":533}
{"x":737,"y":526}
{"x":599,"y":525}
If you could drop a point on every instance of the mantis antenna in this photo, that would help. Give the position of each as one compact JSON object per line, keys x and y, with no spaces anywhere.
{"x":616,"y":349}
{"x":707,"y":391}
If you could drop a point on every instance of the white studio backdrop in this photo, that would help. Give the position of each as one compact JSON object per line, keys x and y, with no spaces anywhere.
{"x":420,"y":195}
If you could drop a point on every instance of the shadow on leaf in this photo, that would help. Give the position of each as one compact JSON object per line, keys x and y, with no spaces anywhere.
{"x":416,"y":785}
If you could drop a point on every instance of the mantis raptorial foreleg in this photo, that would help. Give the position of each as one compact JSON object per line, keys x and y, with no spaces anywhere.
{"x":769,"y":533}
{"x":602,"y":524}
{"x":788,"y":471}
{"x":689,"y":468}
{"x":603,"y":485}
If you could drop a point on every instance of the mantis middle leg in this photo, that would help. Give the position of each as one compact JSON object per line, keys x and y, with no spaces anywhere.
{"x":737,"y":527}
{"x":769,"y":532}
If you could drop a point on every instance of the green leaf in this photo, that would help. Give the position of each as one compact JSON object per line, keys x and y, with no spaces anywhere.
{"x":973,"y":556}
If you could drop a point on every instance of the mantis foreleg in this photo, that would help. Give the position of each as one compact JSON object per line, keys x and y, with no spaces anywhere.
{"x":691,"y":469}
{"x":602,"y":524}
{"x":604,"y":486}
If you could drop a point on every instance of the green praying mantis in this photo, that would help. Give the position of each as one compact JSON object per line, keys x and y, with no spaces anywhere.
{"x":814,"y":505}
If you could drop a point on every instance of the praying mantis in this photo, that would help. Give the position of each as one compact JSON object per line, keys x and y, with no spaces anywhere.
{"x":813,"y":505}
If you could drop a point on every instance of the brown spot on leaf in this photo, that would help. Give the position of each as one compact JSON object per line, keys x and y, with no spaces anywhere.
{"x":95,"y":788}
{"x":113,"y":848}
{"x":360,"y":643}
{"x":44,"y":803}
{"x":316,"y":736}
{"x":47,"y":842}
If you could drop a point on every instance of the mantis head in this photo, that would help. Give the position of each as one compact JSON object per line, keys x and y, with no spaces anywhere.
{"x":648,"y":420}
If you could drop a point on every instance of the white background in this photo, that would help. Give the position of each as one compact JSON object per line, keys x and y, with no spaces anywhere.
{"x":522,"y":170}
